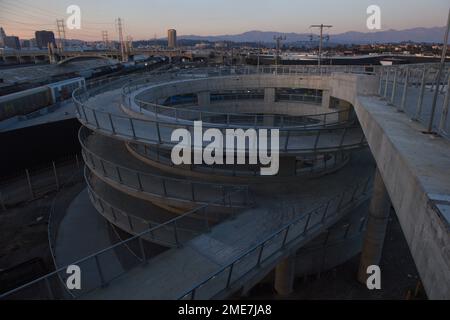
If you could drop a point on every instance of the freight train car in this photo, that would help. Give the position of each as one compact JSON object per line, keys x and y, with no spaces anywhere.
{"x":27,"y":101}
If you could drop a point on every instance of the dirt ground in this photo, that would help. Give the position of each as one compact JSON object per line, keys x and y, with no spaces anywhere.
{"x":24,"y":244}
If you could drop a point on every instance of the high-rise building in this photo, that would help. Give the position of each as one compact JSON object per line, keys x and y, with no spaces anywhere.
{"x":2,"y":37}
{"x":43,"y":38}
{"x":172,"y":38}
{"x":12,"y":42}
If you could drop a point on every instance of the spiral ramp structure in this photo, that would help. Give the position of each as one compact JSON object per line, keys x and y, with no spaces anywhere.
{"x":212,"y":215}
{"x":213,"y":231}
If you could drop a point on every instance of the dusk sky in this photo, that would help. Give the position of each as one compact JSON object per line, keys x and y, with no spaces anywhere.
{"x":145,"y":19}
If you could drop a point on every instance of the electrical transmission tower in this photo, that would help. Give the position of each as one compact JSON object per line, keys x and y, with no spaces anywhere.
{"x":61,"y":27}
{"x":129,"y":44}
{"x":321,"y":27}
{"x":278,"y":40}
{"x":121,"y":41}
{"x":105,"y":39}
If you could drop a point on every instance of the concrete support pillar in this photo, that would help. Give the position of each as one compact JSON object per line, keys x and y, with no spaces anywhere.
{"x":285,"y":276}
{"x":344,"y":115}
{"x":326,"y":98}
{"x":379,"y":210}
{"x":204,"y":99}
{"x":269,"y":95}
{"x":288,"y":166}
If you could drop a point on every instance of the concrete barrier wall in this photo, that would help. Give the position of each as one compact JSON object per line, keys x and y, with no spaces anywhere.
{"x":160,"y":91}
{"x":413,"y":167}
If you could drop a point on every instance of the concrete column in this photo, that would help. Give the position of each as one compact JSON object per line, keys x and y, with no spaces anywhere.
{"x":285,"y":276}
{"x":379,"y":210}
{"x":344,"y":105}
{"x":204,"y":99}
{"x":326,"y":97}
{"x":269,"y":95}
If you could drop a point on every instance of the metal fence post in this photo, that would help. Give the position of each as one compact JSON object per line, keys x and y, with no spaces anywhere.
{"x":285,"y":236}
{"x":175,"y":230}
{"x":141,"y":246}
{"x":258,"y":264}
{"x":56,"y":175}
{"x":386,"y":86}
{"x":29,"y":184}
{"x":421,"y":94}
{"x":445,"y":108}
{"x":405,"y":91}
{"x":394,"y":87}
{"x":229,"y":276}
{"x":111,"y":123}
{"x":380,"y":88}
{"x":132,"y":128}
{"x":307,"y":223}
{"x":139,"y":181}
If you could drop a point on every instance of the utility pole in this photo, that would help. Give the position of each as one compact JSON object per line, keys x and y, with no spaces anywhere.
{"x":278,"y":40}
{"x":439,"y":75}
{"x":321,"y":27}
{"x":105,"y":39}
{"x":121,"y":42}
{"x":259,"y":53}
{"x":61,"y":34}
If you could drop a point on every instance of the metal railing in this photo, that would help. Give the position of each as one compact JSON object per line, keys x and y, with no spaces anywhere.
{"x":229,"y":119}
{"x":248,"y":120}
{"x":272,"y":247}
{"x":314,"y":164}
{"x":411,"y":89}
{"x":102,"y":267}
{"x":153,"y":132}
{"x":190,"y":225}
{"x":160,"y":186}
{"x":286,"y":70}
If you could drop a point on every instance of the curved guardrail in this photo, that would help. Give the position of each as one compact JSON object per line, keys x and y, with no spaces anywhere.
{"x":96,"y":267}
{"x":310,"y":165}
{"x":273,"y":246}
{"x":187,"y":114}
{"x":154,"y":132}
{"x":159,"y":186}
{"x":135,"y":225}
{"x":232,"y":120}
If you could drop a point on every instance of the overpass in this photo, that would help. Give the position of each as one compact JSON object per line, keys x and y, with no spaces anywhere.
{"x":412,"y":173}
{"x":40,"y":56}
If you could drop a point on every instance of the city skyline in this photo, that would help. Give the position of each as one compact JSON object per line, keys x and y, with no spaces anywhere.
{"x":146,"y":20}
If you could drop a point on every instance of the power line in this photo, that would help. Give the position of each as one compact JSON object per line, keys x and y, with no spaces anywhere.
{"x":28,"y":6}
{"x":23,"y":13}
{"x":29,"y":24}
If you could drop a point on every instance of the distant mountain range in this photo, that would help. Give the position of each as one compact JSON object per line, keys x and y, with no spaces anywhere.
{"x":428,"y":35}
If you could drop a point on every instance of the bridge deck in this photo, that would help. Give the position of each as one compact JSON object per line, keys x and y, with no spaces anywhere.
{"x":416,"y":170}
